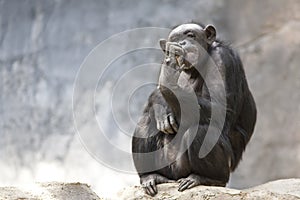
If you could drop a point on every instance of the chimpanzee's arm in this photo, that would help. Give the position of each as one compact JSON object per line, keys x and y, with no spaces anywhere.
{"x":182,"y":102}
{"x":163,"y":114}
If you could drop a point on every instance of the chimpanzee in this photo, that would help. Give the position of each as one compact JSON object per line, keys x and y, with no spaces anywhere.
{"x":192,"y":112}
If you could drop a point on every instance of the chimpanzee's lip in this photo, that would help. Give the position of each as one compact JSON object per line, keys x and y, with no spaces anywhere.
{"x":186,"y":65}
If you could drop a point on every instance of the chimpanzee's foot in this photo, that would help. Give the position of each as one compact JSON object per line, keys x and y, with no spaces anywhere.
{"x":150,"y":181}
{"x":189,"y":182}
{"x":194,"y":180}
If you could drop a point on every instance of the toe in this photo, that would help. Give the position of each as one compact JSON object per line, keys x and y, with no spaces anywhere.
{"x":149,"y":189}
{"x":184,"y":185}
{"x":192,"y":185}
{"x":180,"y":180}
{"x":153,"y":187}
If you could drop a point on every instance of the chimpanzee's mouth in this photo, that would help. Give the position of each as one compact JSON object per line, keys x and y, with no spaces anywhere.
{"x":187,"y":66}
{"x":183,"y":65}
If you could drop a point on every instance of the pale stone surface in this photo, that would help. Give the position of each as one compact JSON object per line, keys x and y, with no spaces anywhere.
{"x":49,"y":191}
{"x":281,"y":189}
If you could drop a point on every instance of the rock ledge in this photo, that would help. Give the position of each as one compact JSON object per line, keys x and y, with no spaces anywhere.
{"x":280,"y":189}
{"x":49,"y":191}
{"x":287,"y":189}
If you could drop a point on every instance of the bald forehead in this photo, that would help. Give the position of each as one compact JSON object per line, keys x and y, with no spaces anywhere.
{"x":184,"y":27}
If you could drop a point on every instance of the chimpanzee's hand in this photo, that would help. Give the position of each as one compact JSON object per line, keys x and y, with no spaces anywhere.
{"x":165,"y":120}
{"x":175,"y":55}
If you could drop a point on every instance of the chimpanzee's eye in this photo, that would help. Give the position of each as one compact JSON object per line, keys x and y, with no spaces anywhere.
{"x":191,"y":35}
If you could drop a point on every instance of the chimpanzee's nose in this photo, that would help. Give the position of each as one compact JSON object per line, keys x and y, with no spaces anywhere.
{"x":182,"y":43}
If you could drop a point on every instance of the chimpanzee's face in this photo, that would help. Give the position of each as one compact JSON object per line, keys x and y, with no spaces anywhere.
{"x":194,"y":40}
{"x":187,"y":35}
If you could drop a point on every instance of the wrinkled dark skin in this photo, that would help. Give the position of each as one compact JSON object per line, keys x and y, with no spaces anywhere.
{"x":161,"y":118}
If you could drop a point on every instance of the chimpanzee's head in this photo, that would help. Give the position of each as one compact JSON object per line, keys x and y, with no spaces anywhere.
{"x":194,"y":39}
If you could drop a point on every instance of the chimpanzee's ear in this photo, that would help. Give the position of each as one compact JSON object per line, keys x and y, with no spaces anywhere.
{"x":162,"y":43}
{"x":210,"y":32}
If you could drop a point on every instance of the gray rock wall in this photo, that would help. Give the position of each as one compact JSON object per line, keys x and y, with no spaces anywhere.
{"x":270,"y":44}
{"x":43,"y":43}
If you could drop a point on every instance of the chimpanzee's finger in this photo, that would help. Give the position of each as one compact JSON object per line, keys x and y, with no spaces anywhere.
{"x":173,"y":123}
{"x":167,"y":126}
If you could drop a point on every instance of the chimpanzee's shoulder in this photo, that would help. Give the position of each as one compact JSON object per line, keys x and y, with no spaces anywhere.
{"x":224,"y":51}
{"x":222,"y":46}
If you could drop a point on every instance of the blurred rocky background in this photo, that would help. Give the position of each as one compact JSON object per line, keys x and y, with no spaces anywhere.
{"x":43,"y":43}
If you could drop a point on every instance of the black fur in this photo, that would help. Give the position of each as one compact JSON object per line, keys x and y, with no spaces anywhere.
{"x":214,"y":169}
